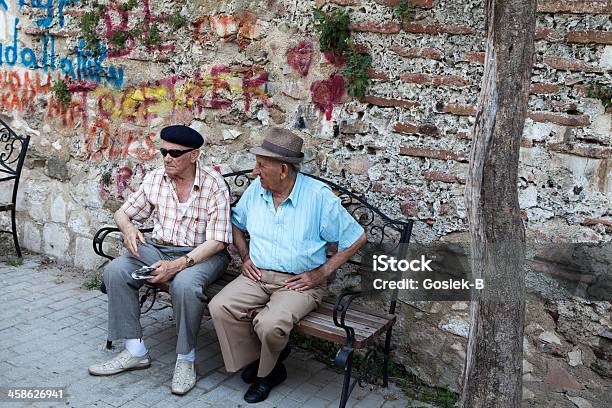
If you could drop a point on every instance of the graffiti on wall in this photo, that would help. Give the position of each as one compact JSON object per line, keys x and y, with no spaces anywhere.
{"x":120,"y":182}
{"x":80,"y":64}
{"x":83,"y":66}
{"x":300,"y":57}
{"x":19,"y":90}
{"x":117,"y":18}
{"x":52,"y":8}
{"x":118,"y":124}
{"x":328,"y":92}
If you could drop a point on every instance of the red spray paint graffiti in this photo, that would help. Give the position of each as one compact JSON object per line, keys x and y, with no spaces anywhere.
{"x":251,"y":85}
{"x":300,"y":57}
{"x":337,"y":60}
{"x":18,"y":90}
{"x":121,"y":182}
{"x":173,"y":100}
{"x":118,"y":143}
{"x":327,"y":93}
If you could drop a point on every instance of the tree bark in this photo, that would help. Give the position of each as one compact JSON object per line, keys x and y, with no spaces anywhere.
{"x":492,"y":375}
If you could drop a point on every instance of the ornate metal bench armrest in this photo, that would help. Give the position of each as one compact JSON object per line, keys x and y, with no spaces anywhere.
{"x":101,"y":235}
{"x":341,"y":307}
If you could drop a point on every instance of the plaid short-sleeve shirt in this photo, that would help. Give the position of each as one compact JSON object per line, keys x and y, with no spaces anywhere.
{"x":206,"y":216}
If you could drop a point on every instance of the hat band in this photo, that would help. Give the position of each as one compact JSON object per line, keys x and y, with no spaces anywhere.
{"x":280,"y":150}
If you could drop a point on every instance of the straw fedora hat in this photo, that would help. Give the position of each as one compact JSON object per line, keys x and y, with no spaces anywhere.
{"x":281,"y":144}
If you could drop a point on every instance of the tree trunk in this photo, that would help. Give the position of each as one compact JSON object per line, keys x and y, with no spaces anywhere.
{"x":492,"y":376}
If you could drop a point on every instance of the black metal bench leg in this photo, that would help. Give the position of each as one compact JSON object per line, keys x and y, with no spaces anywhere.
{"x":15,"y":238}
{"x":387,"y":357}
{"x":346,"y":387}
{"x":109,"y":344}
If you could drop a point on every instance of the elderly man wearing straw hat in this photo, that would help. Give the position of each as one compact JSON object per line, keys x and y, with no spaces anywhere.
{"x":290,"y":218}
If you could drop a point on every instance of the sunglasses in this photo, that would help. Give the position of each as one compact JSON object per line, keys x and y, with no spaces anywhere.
{"x":173,"y":152}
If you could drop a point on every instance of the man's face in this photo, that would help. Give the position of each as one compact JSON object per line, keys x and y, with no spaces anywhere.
{"x":269,"y":172}
{"x":179,"y":166}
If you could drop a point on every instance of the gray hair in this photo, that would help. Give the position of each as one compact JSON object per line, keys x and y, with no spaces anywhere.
{"x":293,"y":167}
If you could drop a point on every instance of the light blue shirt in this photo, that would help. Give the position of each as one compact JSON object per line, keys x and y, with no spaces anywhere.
{"x":293,"y":237}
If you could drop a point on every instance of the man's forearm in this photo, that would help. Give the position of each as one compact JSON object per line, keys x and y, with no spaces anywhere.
{"x":240,"y":242}
{"x":339,"y":258}
{"x":205,"y":250}
{"x":122,"y":220}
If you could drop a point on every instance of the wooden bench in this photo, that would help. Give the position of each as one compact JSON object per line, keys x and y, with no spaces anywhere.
{"x":13,"y":149}
{"x":337,"y":319}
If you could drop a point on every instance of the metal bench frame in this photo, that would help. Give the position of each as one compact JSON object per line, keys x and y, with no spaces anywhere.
{"x":365,"y":214}
{"x":13,"y":149}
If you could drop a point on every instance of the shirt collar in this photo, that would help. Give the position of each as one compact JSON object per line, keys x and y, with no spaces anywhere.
{"x":293,"y":196}
{"x":295,"y":191}
{"x":196,"y":180}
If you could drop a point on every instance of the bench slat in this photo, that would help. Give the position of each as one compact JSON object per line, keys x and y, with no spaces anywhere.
{"x":323,"y":321}
{"x":357,"y":312}
{"x":366,"y":330}
{"x":320,"y":324}
{"x":321,"y":331}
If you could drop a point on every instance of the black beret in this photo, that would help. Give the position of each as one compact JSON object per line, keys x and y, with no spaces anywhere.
{"x":182,"y":135}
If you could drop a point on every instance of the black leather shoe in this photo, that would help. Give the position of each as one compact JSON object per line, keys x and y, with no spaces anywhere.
{"x":250,"y":372}
{"x":261,"y":387}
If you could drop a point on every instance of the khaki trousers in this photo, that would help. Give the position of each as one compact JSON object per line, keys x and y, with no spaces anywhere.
{"x":253,"y":319}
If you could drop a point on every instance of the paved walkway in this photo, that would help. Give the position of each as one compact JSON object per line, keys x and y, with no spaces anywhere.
{"x":51,"y":329}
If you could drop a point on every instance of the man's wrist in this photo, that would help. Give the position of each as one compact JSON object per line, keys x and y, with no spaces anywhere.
{"x":325,"y":271}
{"x":187,"y":261}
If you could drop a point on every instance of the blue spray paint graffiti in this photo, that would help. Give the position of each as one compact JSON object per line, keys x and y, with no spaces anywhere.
{"x":48,"y":5}
{"x":3,"y":5}
{"x":86,"y":66}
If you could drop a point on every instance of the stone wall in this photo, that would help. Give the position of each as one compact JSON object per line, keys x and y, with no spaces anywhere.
{"x":230,"y":69}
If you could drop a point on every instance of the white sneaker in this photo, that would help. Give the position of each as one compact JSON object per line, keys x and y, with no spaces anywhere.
{"x":184,"y":377}
{"x":124,"y":361}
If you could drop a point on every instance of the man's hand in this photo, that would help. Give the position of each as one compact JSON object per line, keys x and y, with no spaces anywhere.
{"x":165,"y":270}
{"x":131,"y":238}
{"x":306,"y":280}
{"x":249,"y":270}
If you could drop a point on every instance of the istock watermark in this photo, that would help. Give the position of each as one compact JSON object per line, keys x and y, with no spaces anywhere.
{"x":435,"y":272}
{"x":382,"y":263}
{"x":442,"y":271}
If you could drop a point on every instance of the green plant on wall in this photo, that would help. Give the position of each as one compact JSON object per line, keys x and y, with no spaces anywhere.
{"x":136,"y":32}
{"x":130,"y":5}
{"x":404,"y":11}
{"x":106,"y":178}
{"x":61,"y":93}
{"x":118,"y":39}
{"x":335,"y":37}
{"x":153,"y":38}
{"x":88,"y":24}
{"x":356,"y":73}
{"x":602,"y":92}
{"x":177,"y":21}
{"x":333,"y":30}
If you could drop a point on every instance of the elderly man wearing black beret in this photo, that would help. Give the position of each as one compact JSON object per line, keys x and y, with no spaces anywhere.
{"x":190,"y":205}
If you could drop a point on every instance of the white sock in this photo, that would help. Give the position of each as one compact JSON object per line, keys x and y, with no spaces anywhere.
{"x":136,"y":347}
{"x":188,"y":357}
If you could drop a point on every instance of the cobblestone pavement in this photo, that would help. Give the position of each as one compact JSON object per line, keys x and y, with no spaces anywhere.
{"x":52,"y":329}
